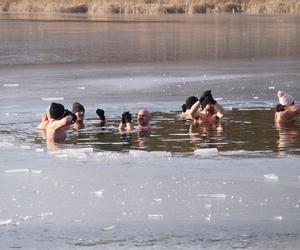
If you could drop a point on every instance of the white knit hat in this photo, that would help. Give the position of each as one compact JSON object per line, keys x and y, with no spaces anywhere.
{"x":284,"y":98}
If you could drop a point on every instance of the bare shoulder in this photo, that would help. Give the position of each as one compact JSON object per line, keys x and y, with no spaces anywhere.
{"x":56,"y":124}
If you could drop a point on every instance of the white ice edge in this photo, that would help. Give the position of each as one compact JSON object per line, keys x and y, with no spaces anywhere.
{"x":212,"y":196}
{"x":22,"y":171}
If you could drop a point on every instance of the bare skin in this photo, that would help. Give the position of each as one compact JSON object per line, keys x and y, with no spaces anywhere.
{"x":55,"y":130}
{"x":143,"y":119}
{"x":79,"y":122}
{"x":209,"y":116}
{"x":187,"y":114}
{"x":287,"y":116}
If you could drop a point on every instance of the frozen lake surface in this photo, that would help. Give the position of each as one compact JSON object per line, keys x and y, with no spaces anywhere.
{"x":184,"y":187}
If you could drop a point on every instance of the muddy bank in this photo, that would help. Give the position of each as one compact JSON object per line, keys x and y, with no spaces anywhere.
{"x":150,"y":7}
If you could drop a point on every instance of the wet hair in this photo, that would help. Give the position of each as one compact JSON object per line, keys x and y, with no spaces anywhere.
{"x":56,"y":110}
{"x":77,"y":107}
{"x":190,"y":101}
{"x":183,"y":108}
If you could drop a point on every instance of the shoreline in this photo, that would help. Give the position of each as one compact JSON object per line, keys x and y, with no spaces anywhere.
{"x":93,"y":8}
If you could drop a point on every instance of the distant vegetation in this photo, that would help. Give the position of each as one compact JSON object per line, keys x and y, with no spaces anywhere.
{"x":150,"y":7}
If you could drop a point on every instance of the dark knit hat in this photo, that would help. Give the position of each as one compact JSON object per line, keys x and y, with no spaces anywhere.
{"x":191,"y":101}
{"x":77,"y":107}
{"x":206,"y":98}
{"x":56,"y":110}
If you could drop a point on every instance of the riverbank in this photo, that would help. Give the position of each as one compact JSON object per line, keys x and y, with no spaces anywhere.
{"x":150,"y":7}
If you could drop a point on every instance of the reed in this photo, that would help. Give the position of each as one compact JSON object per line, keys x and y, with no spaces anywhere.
{"x":150,"y":7}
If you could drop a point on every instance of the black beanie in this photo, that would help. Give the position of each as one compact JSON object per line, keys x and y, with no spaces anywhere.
{"x":190,"y":101}
{"x":205,"y":98}
{"x":77,"y":107}
{"x":56,"y":110}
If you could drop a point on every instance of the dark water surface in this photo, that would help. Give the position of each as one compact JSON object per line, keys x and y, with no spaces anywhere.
{"x":70,"y":39}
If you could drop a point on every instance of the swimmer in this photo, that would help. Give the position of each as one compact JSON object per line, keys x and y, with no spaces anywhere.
{"x":186,"y":108}
{"x":211,"y":110}
{"x":79,"y":111}
{"x":143,"y":119}
{"x":286,"y":110}
{"x":56,"y":122}
{"x":125,"y":124}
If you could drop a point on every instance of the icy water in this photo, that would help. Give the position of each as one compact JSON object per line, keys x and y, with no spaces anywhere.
{"x":233,"y":186}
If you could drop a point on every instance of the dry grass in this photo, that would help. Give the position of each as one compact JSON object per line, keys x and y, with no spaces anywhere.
{"x":150,"y":7}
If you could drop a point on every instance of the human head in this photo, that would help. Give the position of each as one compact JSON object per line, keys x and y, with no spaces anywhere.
{"x":190,"y":101}
{"x":78,"y":110}
{"x":56,"y":110}
{"x":206,"y":98}
{"x":183,"y":108}
{"x":144,"y":117}
{"x":284,"y":98}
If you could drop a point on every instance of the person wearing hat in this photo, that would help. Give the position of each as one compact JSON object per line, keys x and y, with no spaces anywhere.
{"x":79,"y":111}
{"x":143,"y":119}
{"x":55,"y":123}
{"x":211,"y":111}
{"x":186,"y":108}
{"x":286,"y":110}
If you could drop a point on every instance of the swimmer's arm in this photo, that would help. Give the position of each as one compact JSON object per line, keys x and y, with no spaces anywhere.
{"x":63,"y":122}
{"x":194,"y":110}
{"x":290,"y":112}
{"x":220,"y":110}
{"x":128,"y":127}
{"x":43,"y":125}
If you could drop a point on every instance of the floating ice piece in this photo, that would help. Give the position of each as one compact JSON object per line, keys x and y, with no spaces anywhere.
{"x":45,"y":214}
{"x":22,"y":171}
{"x":271,"y":177}
{"x":208,"y":218}
{"x":11,"y":85}
{"x":255,"y":97}
{"x":80,"y":153}
{"x":98,"y":193}
{"x":81,"y":88}
{"x":52,"y":98}
{"x":6,"y":144}
{"x":155,"y":216}
{"x":39,"y":150}
{"x":27,"y":217}
{"x":108,"y":228}
{"x":157,"y":200}
{"x":208,"y":206}
{"x":271,"y":87}
{"x":212,"y":196}
{"x":277,"y":218}
{"x":5,"y":222}
{"x":140,"y":153}
{"x":206,"y":151}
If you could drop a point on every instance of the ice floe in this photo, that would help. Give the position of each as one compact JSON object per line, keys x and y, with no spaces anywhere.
{"x":5,"y":222}
{"x":206,"y":152}
{"x":98,"y":193}
{"x":108,"y":228}
{"x":52,"y":98}
{"x":271,"y":177}
{"x":155,"y":216}
{"x":212,"y":196}
{"x":22,"y":171}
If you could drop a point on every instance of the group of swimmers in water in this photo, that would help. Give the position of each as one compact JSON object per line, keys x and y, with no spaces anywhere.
{"x":58,"y":119}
